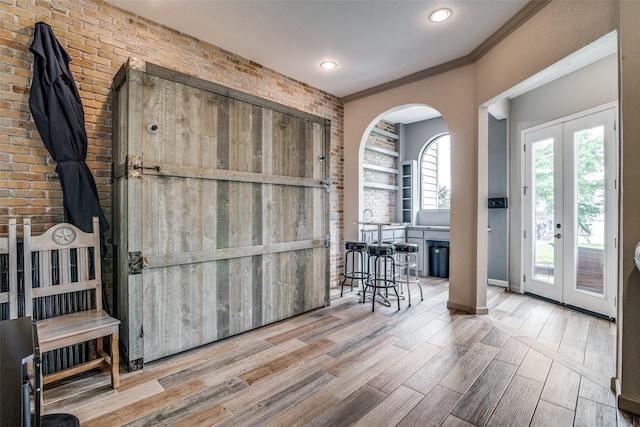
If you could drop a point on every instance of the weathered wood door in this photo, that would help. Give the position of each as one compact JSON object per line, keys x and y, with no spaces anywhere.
{"x":232,"y":222}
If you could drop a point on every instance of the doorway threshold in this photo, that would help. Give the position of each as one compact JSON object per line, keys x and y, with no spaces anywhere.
{"x":573,"y":307}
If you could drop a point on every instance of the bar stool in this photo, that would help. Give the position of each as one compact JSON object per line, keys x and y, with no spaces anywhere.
{"x":407,"y":263}
{"x":355,"y":251}
{"x":382,"y":269}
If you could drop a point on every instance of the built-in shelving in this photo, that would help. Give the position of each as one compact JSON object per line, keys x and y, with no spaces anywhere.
{"x":409,"y":186}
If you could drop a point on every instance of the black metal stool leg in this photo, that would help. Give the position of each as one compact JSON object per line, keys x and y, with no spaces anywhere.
{"x":351,"y":270}
{"x":382,"y":271}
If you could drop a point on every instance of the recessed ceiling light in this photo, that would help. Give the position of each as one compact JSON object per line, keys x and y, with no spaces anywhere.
{"x":440,"y":15}
{"x":328,"y":65}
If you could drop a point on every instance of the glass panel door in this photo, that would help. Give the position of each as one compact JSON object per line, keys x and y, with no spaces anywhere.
{"x":570,"y":205}
{"x":590,"y":211}
{"x":544,"y":207}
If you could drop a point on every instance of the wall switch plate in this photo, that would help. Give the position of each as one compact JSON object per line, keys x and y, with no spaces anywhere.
{"x":498,"y":203}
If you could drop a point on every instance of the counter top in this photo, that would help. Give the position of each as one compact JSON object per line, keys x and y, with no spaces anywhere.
{"x":386,"y":225}
{"x":429,"y":227}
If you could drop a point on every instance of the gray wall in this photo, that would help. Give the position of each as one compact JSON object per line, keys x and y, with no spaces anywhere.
{"x":415,"y":135}
{"x":412,"y":140}
{"x":497,"y":240}
{"x":589,"y":87}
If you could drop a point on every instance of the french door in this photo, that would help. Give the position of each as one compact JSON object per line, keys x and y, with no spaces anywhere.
{"x":570,"y":211}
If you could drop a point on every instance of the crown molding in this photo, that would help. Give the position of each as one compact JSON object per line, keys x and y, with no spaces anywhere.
{"x":528,"y":11}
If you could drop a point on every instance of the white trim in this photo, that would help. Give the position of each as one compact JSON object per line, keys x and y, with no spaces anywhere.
{"x":496,"y":282}
{"x":598,"y":109}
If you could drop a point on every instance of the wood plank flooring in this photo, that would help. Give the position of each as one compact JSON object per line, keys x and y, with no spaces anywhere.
{"x":526,"y":363}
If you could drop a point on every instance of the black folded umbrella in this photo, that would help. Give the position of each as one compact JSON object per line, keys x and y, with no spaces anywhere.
{"x":57,"y":111}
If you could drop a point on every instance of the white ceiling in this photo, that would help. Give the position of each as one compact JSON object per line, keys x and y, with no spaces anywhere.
{"x":374,"y":42}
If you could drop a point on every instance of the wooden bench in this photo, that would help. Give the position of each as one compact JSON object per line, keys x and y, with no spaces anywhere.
{"x":9,"y":271}
{"x":66,"y":258}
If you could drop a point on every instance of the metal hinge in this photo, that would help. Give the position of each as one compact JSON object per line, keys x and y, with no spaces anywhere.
{"x":524,"y":278}
{"x":524,"y":147}
{"x":327,"y":241}
{"x":524,"y":234}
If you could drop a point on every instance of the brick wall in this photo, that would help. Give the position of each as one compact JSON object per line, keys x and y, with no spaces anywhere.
{"x":381,"y":201}
{"x":100,"y":38}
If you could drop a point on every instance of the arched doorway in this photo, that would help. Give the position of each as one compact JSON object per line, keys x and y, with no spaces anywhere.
{"x":396,"y":170}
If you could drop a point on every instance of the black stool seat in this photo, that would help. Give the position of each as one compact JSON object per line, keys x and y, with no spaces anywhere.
{"x":406,"y":247}
{"x":355,"y":246}
{"x":59,"y":420}
{"x":354,"y":269}
{"x":380,"y":250}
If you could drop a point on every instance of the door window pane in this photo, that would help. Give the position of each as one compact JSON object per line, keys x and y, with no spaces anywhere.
{"x":543,"y":204}
{"x":590,"y":192}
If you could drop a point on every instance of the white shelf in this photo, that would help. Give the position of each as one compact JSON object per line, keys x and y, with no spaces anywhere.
{"x":384,"y":133}
{"x":381,"y":150}
{"x":381,"y":186}
{"x":380,"y":169}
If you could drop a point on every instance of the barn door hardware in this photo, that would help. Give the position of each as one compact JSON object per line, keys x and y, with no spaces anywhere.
{"x":135,"y":168}
{"x":327,"y":241}
{"x":135,"y":262}
{"x":327,"y":185}
{"x":151,"y":168}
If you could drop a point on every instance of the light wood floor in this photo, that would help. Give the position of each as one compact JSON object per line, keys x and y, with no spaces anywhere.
{"x":527,"y":363}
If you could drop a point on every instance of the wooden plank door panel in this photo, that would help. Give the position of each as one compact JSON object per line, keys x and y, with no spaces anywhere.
{"x":275,"y":267}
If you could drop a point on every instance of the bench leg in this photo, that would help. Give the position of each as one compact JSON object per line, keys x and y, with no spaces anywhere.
{"x":39,"y":373}
{"x":99,"y":346}
{"x":115,"y":362}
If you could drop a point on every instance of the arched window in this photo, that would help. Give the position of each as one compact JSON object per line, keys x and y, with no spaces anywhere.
{"x":435,"y":174}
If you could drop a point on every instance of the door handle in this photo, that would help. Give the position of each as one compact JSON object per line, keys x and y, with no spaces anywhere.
{"x":557,"y":236}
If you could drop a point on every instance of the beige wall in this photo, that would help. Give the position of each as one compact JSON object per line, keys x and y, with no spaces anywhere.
{"x":628,"y":367}
{"x":559,"y":29}
{"x":452,"y":95}
{"x":556,"y":31}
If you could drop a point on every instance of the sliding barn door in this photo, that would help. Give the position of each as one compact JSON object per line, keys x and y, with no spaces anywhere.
{"x":233,"y":215}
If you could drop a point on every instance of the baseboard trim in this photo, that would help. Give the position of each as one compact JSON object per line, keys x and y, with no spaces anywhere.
{"x":629,"y":407}
{"x":496,"y":282}
{"x":628,"y":404}
{"x":467,"y":308}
